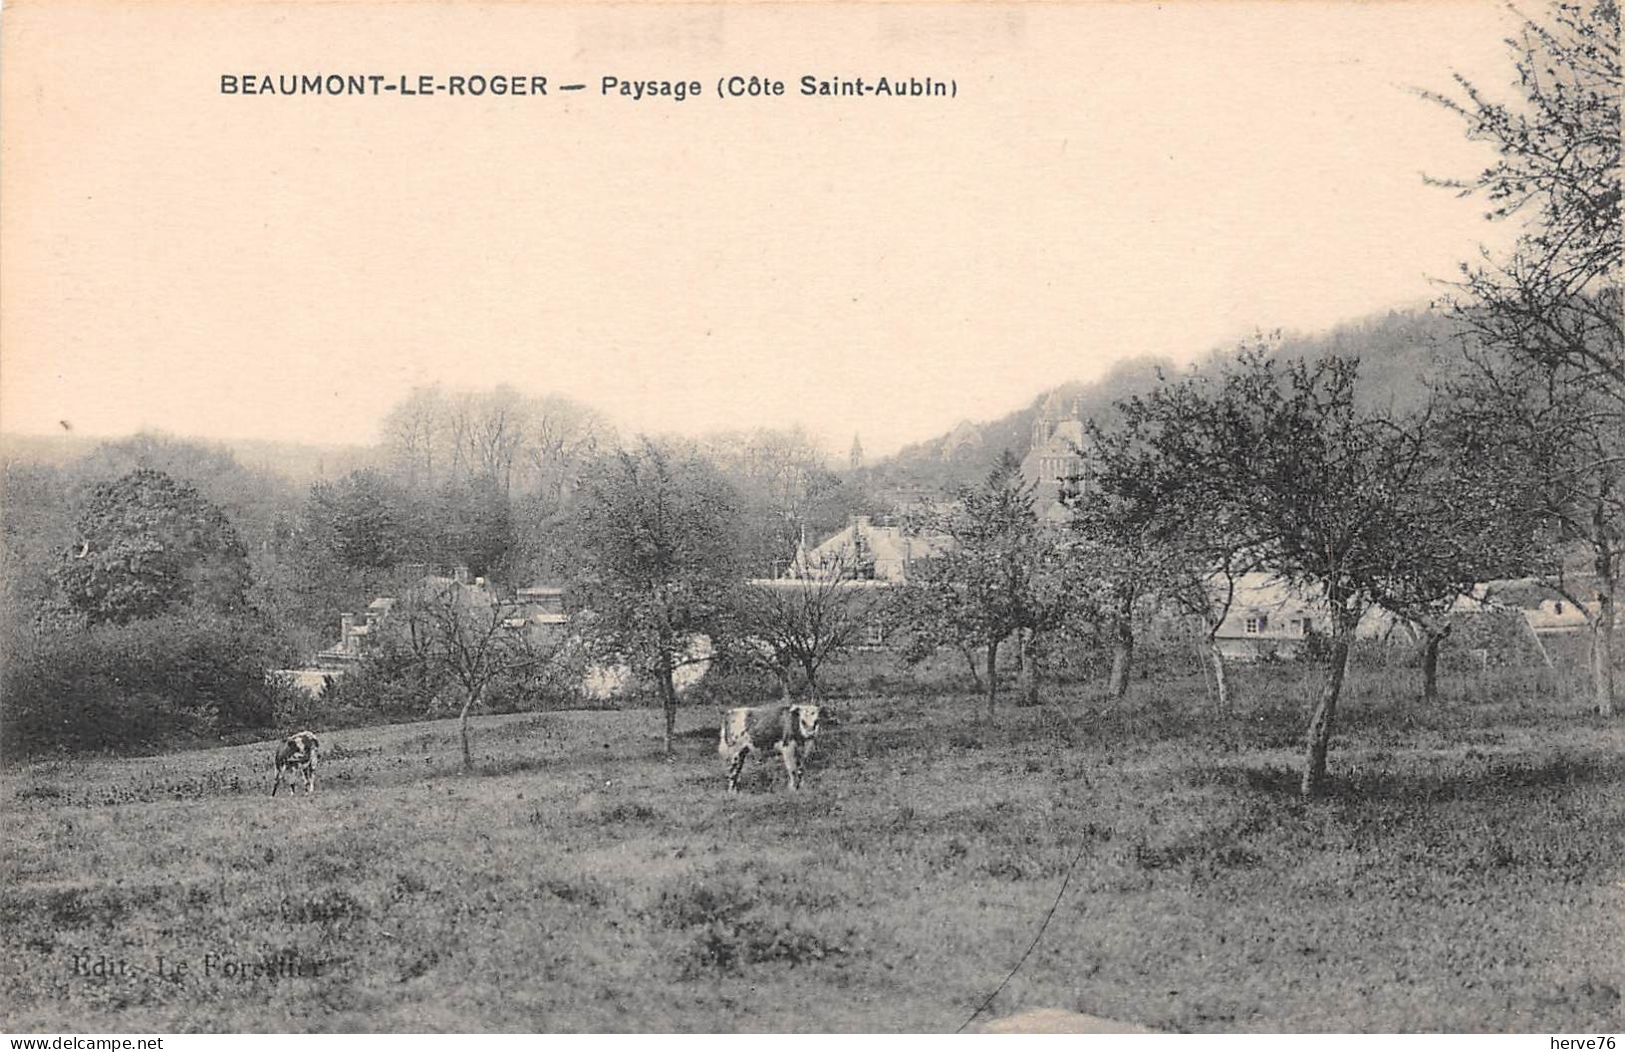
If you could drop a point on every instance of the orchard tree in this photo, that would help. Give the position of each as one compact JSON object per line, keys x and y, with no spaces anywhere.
{"x":1320,"y":489}
{"x":994,"y":579}
{"x":1543,"y":387}
{"x":1179,"y":527}
{"x":1116,"y":548}
{"x":935,"y":615}
{"x":803,"y":622}
{"x":146,"y":545}
{"x":464,"y":635}
{"x":1458,"y":527}
{"x":1056,"y":602}
{"x":657,"y":561}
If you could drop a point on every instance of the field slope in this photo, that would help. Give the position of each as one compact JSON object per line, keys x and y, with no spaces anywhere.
{"x":1468,"y":873}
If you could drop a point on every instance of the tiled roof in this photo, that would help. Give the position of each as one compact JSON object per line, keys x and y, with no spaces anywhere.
{"x":886,"y":545}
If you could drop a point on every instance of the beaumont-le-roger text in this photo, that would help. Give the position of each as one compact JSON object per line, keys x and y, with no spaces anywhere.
{"x":534,"y":85}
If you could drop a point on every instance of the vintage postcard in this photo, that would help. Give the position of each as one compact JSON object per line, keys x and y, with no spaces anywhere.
{"x":1080,"y":517}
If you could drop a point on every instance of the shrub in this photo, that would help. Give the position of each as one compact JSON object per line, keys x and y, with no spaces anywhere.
{"x":392,"y":682}
{"x":554,"y":684}
{"x":137,"y":685}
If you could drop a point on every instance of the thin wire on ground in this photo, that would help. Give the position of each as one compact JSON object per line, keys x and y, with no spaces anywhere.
{"x":1036,"y":937}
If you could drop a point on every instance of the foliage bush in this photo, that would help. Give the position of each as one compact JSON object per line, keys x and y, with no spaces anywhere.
{"x":389,"y":681}
{"x":137,"y":685}
{"x":391,"y":684}
{"x":551,"y":685}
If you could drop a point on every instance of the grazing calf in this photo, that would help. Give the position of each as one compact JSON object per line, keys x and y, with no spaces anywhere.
{"x":297,"y":752}
{"x":788,"y":729}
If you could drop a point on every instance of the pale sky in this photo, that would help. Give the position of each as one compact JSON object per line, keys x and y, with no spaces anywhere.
{"x":1112,"y":180}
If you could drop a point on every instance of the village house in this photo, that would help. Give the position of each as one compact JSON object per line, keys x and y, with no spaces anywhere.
{"x":1269,"y":619}
{"x":865,"y":551}
{"x":1558,"y":615}
{"x":1546,"y":613}
{"x":865,"y":558}
{"x":537,"y":611}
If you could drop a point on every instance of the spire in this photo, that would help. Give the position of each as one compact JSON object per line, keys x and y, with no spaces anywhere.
{"x":856,"y":457}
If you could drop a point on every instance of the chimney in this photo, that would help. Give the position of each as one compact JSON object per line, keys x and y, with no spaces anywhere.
{"x":347,"y":633}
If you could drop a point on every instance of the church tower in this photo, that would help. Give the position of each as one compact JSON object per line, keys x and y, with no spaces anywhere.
{"x":1041,"y":428}
{"x":855,"y":458}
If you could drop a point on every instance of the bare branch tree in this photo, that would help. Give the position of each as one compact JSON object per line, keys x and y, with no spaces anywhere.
{"x":465,"y":634}
{"x":412,"y":434}
{"x":1542,"y":393}
{"x":806,"y":621}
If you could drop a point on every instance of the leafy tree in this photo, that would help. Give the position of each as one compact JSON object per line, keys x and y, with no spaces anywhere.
{"x":995,"y":579}
{"x":474,"y":522}
{"x":1320,"y":490}
{"x":253,"y":498}
{"x":360,"y":518}
{"x":398,"y":673}
{"x":657,"y":549}
{"x":147,"y":545}
{"x":1176,"y":528}
{"x":145,"y":682}
{"x":1456,"y":529}
{"x":1543,"y":390}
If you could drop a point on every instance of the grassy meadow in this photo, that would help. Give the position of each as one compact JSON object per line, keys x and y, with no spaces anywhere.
{"x":1467,"y":873}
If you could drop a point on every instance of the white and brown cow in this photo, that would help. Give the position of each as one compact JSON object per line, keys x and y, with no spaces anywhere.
{"x":297,"y":752}
{"x":788,"y":730}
